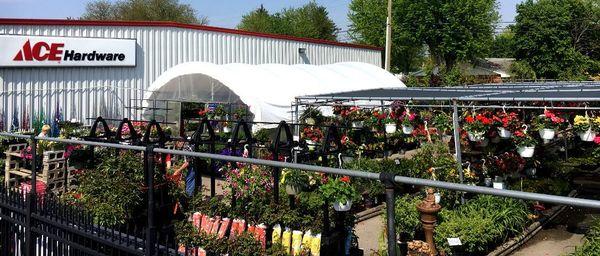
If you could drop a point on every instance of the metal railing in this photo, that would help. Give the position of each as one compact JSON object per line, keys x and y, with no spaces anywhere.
{"x":31,"y":222}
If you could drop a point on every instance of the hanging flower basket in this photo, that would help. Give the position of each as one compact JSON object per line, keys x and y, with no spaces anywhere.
{"x":547,"y":134}
{"x":504,"y":133}
{"x":407,"y":129}
{"x":292,"y":190}
{"x":476,"y":137}
{"x":526,"y":152}
{"x":311,"y":145}
{"x":342,"y":207}
{"x":588,"y":135}
{"x":226,"y":129}
{"x":357,"y":124}
{"x":390,"y":128}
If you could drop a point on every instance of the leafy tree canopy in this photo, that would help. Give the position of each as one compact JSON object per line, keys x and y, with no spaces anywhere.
{"x":559,"y":39}
{"x":310,"y":20}
{"x":503,"y":45}
{"x":368,"y":21}
{"x":143,"y":10}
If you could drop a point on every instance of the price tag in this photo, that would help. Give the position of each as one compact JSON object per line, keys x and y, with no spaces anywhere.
{"x":454,"y":241}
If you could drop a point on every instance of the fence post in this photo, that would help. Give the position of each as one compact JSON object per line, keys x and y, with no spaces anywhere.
{"x":31,"y":201}
{"x":388,"y":180}
{"x":149,"y":172}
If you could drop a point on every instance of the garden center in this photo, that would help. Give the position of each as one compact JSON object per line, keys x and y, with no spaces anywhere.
{"x":472,"y":170}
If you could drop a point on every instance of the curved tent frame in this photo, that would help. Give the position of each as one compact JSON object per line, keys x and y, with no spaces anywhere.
{"x":269,"y":89}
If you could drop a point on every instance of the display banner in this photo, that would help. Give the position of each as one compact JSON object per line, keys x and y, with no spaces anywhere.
{"x":43,"y":51}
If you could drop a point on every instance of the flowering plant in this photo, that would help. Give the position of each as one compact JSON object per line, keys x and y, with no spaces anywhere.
{"x":249,"y":181}
{"x":523,"y":139}
{"x":508,"y":121}
{"x":338,"y":190}
{"x":442,"y":122}
{"x":548,"y":120}
{"x":508,"y":162}
{"x":584,"y":123}
{"x":357,"y":114}
{"x":478,"y":124}
{"x":312,"y":133}
{"x":389,"y":118}
{"x":297,"y":178}
{"x":408,"y":118}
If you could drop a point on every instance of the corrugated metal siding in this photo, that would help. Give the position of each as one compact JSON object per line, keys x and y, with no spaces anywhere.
{"x":90,"y":91}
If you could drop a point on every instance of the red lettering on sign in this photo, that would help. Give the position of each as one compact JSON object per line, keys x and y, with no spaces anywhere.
{"x":40,"y":51}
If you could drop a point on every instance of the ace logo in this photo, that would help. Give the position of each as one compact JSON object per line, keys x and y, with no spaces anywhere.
{"x":40,"y":51}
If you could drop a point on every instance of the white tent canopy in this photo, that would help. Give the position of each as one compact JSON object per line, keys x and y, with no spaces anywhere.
{"x":268,"y":89}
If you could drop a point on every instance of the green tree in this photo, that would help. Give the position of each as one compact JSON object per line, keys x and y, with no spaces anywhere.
{"x":558,"y":38}
{"x":452,"y":30}
{"x":368,"y":19}
{"x":152,"y":10}
{"x":259,"y":20}
{"x":310,"y":20}
{"x":503,"y":45}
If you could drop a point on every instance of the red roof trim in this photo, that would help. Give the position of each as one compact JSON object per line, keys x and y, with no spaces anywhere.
{"x":58,"y":22}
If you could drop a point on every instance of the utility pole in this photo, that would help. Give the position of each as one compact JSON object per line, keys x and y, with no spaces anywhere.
{"x":388,"y":37}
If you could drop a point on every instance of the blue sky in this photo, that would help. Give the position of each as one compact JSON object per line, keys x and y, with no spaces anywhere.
{"x":221,"y":13}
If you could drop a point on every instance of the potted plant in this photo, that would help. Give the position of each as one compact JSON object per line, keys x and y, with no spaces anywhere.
{"x":294,"y":181}
{"x":408,"y":120}
{"x":312,"y":135}
{"x":311,"y":116}
{"x":586,"y":127}
{"x":443,"y":123}
{"x":506,"y":123}
{"x":477,"y":126}
{"x":390,"y":123}
{"x":356,"y":115}
{"x":525,"y":143}
{"x":339,"y":192}
{"x":219,"y":112}
{"x":547,"y":123}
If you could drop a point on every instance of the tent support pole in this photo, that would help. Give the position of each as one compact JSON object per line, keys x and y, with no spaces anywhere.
{"x":457,"y":148}
{"x":296,"y":129}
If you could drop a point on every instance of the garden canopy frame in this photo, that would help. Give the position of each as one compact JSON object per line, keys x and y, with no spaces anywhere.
{"x":510,"y":92}
{"x":266,"y":89}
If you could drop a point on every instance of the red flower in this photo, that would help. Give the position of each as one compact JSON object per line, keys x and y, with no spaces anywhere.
{"x":345,"y":179}
{"x":469,"y":119}
{"x":597,"y":140}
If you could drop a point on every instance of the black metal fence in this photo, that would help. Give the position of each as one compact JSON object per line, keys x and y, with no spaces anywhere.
{"x":34,"y":224}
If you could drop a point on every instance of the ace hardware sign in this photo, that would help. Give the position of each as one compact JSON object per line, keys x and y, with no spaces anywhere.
{"x":43,"y":51}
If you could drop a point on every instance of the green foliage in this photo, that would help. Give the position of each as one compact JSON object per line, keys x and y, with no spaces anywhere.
{"x":481,"y":223}
{"x":112,"y":192}
{"x":366,"y":186}
{"x":142,"y":10}
{"x":438,"y":157}
{"x":338,"y":190}
{"x":452,"y":30}
{"x":522,"y":70}
{"x":407,"y":217}
{"x":503,"y":45}
{"x":558,"y":38}
{"x":368,"y":19}
{"x":591,"y":246}
{"x":311,"y":21}
{"x":552,"y":186}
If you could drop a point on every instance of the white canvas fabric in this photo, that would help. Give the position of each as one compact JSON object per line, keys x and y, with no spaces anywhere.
{"x":268,"y":89}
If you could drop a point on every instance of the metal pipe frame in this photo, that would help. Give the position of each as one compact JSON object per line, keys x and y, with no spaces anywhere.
{"x":386,"y":178}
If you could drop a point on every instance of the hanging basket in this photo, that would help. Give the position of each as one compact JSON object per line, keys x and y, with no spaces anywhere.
{"x":547,"y":134}
{"x":504,"y":133}
{"x":407,"y":129}
{"x":342,"y":207}
{"x":476,"y":137}
{"x":357,"y":124}
{"x":292,"y":190}
{"x":526,"y":152}
{"x":311,"y":145}
{"x":588,"y":135}
{"x":390,"y":128}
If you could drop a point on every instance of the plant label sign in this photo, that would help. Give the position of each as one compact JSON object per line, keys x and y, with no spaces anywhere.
{"x":454,"y":241}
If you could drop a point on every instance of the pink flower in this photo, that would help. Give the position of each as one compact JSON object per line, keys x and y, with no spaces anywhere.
{"x":597,"y":140}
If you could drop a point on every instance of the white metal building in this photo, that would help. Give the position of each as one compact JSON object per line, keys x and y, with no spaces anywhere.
{"x":32,"y":82}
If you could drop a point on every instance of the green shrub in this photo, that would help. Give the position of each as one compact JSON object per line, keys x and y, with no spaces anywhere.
{"x":481,"y":223}
{"x":406,"y":215}
{"x":591,"y":246}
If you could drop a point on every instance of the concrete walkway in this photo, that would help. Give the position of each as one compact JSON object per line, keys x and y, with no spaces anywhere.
{"x":551,"y":242}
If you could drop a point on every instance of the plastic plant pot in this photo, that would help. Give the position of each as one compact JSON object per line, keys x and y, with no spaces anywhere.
{"x":390,"y":128}
{"x":547,"y":134}
{"x":526,"y":152}
{"x":407,"y":129}
{"x":342,"y":207}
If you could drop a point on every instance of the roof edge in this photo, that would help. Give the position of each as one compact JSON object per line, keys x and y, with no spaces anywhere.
{"x":62,"y":22}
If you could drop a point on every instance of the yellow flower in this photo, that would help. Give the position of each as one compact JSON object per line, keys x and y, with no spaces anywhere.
{"x":581,"y":120}
{"x":597,"y":120}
